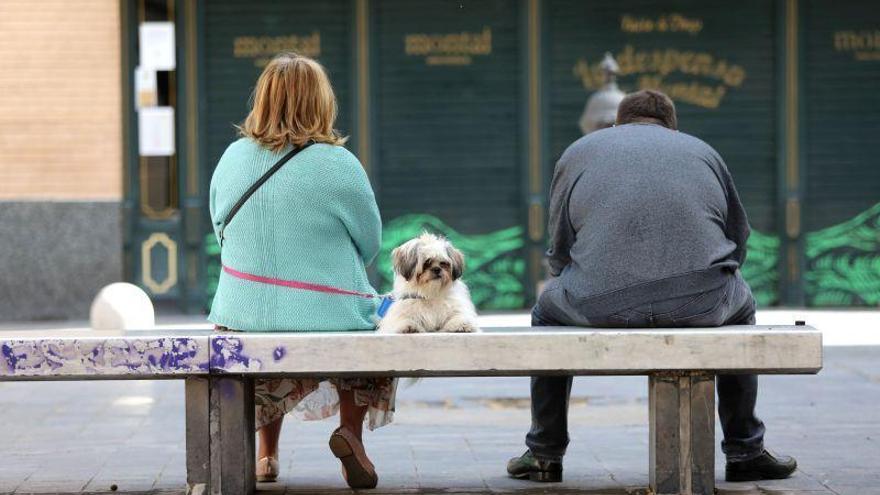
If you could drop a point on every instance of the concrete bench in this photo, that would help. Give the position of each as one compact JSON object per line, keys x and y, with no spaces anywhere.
{"x":219,"y":370}
{"x":681,"y":364}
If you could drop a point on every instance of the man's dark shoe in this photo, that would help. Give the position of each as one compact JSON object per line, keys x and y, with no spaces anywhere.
{"x":527,"y":467}
{"x":763,"y":467}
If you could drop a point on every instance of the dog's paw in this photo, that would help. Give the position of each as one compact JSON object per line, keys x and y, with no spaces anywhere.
{"x":462,"y":327}
{"x":408,"y":329}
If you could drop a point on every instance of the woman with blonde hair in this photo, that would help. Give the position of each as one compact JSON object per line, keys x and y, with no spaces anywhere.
{"x":305,"y":227}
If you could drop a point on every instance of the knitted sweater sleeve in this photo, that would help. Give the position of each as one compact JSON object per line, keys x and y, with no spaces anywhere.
{"x":354,"y":203}
{"x":212,"y":207}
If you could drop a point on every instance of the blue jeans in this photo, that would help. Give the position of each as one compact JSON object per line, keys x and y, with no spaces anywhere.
{"x":730,"y":304}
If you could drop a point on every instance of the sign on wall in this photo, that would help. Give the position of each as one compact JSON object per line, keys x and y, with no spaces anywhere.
{"x":156,"y":131}
{"x":157,"y":45}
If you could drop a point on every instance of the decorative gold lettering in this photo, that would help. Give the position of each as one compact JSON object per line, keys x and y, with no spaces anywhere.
{"x":689,"y":92}
{"x":867,"y":56}
{"x":680,"y":23}
{"x":263,"y":48}
{"x":864,"y":45}
{"x":666,"y":23}
{"x":448,"y":60}
{"x":630,"y":24}
{"x":449,"y":49}
{"x":652,"y":67}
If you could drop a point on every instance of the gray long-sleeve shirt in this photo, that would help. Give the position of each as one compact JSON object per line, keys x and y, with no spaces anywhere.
{"x":636,"y":204}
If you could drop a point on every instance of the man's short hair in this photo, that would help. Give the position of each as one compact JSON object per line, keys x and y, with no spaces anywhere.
{"x":648,"y":106}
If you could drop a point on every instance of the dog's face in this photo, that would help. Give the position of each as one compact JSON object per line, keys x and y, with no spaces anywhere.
{"x":428,"y":260}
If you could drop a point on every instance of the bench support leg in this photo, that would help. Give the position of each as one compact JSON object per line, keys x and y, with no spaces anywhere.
{"x":682,"y":433}
{"x":198,"y":459}
{"x":232,"y":435}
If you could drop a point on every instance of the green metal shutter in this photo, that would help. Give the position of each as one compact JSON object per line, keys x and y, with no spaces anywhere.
{"x":448,"y":121}
{"x":841,"y":148}
{"x":716,"y":60}
{"x":240,"y":36}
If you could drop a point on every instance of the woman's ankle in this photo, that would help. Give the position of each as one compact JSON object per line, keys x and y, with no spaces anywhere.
{"x":269,"y":436}
{"x":357,"y":430}
{"x":351,"y":415}
{"x":267,"y":452}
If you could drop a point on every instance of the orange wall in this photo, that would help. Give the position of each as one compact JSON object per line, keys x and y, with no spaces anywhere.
{"x":60,"y":123}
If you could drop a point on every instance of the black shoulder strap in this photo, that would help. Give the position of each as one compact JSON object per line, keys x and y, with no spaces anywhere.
{"x":256,"y":185}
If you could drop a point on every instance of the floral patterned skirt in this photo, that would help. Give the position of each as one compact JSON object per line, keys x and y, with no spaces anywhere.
{"x":318,"y":398}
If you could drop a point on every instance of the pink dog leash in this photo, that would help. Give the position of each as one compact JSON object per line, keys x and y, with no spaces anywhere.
{"x":296,"y":284}
{"x":386,"y":303}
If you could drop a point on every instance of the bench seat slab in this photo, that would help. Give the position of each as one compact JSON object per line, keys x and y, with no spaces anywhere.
{"x":66,"y":355}
{"x":523,"y":352}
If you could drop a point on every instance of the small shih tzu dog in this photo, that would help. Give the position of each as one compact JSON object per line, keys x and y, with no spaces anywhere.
{"x":428,"y":293}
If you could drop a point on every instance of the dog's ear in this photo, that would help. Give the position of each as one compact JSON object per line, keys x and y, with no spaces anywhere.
{"x":457,"y":261}
{"x":405,"y":259}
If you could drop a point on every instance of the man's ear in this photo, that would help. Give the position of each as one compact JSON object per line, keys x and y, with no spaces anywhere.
{"x":405,"y":259}
{"x":457,"y":261}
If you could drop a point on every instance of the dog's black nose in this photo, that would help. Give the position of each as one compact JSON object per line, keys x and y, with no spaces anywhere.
{"x":436,"y":270}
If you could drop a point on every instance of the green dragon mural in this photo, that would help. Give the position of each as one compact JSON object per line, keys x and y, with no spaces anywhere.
{"x":843,"y":262}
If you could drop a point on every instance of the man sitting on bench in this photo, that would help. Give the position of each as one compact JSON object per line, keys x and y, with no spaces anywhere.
{"x":646,"y":230}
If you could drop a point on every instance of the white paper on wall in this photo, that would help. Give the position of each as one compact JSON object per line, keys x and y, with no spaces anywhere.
{"x":156,"y":131}
{"x":145,"y":88}
{"x":157,"y":45}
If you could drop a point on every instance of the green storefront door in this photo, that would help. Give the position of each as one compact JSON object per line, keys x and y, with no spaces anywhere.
{"x":840,"y":152}
{"x":448,"y":121}
{"x":240,"y":37}
{"x":716,"y":60}
{"x":161,"y":206}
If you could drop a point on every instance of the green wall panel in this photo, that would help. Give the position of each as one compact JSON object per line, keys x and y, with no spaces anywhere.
{"x":448,"y":117}
{"x":840,"y":135}
{"x":718,"y":62}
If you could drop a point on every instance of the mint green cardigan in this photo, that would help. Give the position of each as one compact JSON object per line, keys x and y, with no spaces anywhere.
{"x":314,"y":221}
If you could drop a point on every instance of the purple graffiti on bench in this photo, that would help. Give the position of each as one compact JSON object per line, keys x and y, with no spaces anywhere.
{"x":227,"y":355}
{"x":102,"y":356}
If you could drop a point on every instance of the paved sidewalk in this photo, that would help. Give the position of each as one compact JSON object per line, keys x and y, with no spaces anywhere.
{"x":450,"y":435}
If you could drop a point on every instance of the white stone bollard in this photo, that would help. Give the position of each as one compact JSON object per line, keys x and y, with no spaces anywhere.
{"x":122,"y":306}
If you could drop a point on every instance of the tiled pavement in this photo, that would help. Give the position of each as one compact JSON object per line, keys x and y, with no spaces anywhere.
{"x":450,"y":436}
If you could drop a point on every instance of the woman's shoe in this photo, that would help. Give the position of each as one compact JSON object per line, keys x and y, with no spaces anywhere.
{"x":267,"y":469}
{"x":357,"y":469}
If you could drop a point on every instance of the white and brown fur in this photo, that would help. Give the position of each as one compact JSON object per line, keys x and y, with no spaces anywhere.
{"x":428,"y":292}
